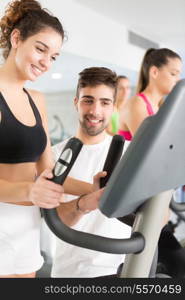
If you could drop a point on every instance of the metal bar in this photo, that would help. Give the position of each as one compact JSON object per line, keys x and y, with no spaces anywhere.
{"x":149,"y":222}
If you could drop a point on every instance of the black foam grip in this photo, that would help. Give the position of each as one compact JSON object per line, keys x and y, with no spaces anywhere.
{"x":113,"y":156}
{"x":74,"y":145}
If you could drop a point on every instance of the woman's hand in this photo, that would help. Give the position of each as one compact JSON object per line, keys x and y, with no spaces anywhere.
{"x":45,"y":193}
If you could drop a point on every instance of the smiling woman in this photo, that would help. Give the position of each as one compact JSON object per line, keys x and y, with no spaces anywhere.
{"x":37,"y":53}
{"x":31,"y":39}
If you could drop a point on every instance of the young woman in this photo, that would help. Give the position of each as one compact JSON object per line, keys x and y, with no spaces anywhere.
{"x":122,"y":95}
{"x":160,"y":71}
{"x":31,"y":40}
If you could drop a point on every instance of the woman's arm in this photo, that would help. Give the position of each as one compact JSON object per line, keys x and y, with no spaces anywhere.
{"x":46,"y":160}
{"x":43,"y":192}
{"x":29,"y":193}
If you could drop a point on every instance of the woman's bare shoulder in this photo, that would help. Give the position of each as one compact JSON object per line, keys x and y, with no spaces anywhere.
{"x":38,"y":97}
{"x":136,"y":105}
{"x":35,"y":93}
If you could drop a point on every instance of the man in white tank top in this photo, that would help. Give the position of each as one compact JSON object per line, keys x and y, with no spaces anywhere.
{"x":94,"y":103}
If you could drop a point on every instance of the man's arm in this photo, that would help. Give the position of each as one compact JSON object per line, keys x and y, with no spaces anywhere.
{"x":77,"y":187}
{"x":71,"y":212}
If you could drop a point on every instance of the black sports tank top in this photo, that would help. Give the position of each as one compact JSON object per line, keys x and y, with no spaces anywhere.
{"x":18,"y":142}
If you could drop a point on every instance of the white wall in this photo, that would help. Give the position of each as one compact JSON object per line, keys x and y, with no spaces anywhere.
{"x":95,"y":36}
{"x":90,"y":35}
{"x":61,"y":105}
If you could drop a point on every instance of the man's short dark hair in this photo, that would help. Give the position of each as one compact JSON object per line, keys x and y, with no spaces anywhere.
{"x":95,"y":76}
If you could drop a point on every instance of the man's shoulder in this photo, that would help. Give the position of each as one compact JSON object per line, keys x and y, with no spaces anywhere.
{"x":108,"y":140}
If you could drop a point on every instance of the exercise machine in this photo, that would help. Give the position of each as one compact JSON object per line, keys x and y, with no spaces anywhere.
{"x":142,"y":183}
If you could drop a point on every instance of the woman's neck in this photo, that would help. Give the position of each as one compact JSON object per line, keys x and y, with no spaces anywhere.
{"x":154,"y":95}
{"x":120,"y":103}
{"x":9,"y":76}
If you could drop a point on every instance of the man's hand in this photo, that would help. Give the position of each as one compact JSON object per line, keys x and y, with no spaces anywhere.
{"x":96,"y":180}
{"x":90,"y":202}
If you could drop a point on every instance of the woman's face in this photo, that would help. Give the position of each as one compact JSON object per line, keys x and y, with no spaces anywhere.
{"x":168,"y":75}
{"x":123,"y":89}
{"x":35,"y":55}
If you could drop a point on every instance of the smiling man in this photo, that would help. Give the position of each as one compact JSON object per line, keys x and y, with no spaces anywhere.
{"x":94,"y":103}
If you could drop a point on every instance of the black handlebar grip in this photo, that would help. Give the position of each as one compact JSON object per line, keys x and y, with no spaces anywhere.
{"x":66,"y":160}
{"x":113,"y":156}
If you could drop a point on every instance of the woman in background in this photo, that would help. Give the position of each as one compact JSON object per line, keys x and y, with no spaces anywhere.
{"x":122,"y":95}
{"x":159,"y":73}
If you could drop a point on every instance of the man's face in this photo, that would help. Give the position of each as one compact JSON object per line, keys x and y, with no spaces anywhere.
{"x":95,"y":107}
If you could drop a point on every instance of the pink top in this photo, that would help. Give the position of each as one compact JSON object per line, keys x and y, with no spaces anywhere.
{"x":127,"y":134}
{"x":148,"y":105}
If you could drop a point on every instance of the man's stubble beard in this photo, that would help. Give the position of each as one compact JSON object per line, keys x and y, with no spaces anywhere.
{"x":92,"y":131}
